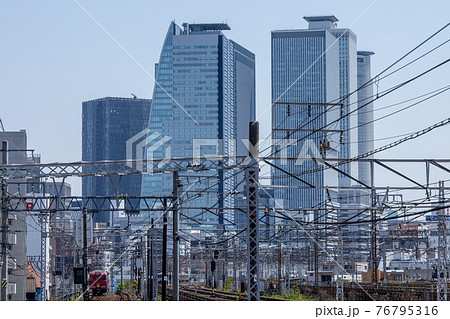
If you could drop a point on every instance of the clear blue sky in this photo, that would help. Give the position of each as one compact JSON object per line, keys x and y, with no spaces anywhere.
{"x":53,"y":57}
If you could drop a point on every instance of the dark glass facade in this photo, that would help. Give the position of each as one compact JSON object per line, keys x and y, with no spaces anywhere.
{"x":205,"y":96}
{"x":107,"y":125}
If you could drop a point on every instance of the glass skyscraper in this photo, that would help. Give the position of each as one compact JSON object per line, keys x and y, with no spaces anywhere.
{"x":348,"y":82}
{"x":305,"y":70}
{"x":204,"y":97}
{"x":317,"y":65}
{"x":320,"y":65}
{"x":107,"y":125}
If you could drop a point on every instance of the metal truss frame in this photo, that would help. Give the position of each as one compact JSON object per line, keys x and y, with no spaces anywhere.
{"x":123,"y":167}
{"x":128,"y":204}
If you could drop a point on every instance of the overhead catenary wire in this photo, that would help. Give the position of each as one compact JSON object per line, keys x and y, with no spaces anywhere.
{"x":377,"y":150}
{"x":393,"y":89}
{"x":398,"y":111}
{"x":376,"y":77}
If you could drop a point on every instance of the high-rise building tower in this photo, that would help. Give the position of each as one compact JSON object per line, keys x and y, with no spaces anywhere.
{"x":311,"y":67}
{"x":318,"y":65}
{"x":365,"y":115}
{"x":107,"y":125}
{"x":305,"y":75}
{"x":204,"y":98}
{"x":348,"y":81}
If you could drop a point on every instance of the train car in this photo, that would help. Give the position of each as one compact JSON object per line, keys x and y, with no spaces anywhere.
{"x":98,"y":282}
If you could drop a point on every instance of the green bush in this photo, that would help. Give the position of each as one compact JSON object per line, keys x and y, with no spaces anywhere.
{"x":127,"y":287}
{"x":294,"y":295}
{"x":228,"y":283}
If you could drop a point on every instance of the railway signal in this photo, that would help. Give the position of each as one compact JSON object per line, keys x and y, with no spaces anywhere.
{"x":79,"y":230}
{"x":78,"y":275}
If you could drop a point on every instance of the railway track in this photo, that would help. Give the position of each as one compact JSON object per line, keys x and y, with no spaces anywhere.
{"x":410,"y":287}
{"x":394,"y":291}
{"x":198,"y":293}
{"x":123,"y":297}
{"x":114,"y":297}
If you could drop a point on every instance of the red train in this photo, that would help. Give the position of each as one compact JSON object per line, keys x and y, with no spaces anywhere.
{"x":98,"y":282}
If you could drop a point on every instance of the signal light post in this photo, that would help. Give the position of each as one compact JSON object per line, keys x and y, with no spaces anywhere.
{"x":176,"y":237}
{"x":150,"y":282}
{"x":85,"y":281}
{"x":164,"y":253}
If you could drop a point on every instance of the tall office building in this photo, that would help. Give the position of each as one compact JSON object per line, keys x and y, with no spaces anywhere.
{"x":354,"y":202}
{"x":317,"y":65}
{"x":365,"y":115}
{"x":107,"y":125}
{"x":205,"y":92}
{"x":348,"y":81}
{"x":321,"y":64}
{"x":305,"y":73}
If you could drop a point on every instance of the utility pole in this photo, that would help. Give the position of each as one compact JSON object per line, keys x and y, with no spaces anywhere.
{"x":4,"y":243}
{"x":279,"y":264}
{"x":340,"y":279}
{"x":4,"y":281}
{"x":316,"y":257}
{"x":252,"y":185}
{"x":384,"y":265}
{"x":44,"y":235}
{"x":164,"y":252}
{"x":427,"y":254}
{"x":442,"y":249}
{"x":373,"y":217}
{"x":85,"y":281}
{"x":121,"y":272}
{"x":289,"y":273}
{"x":234,"y":266}
{"x":132,"y":254}
{"x":176,"y":237}
{"x":224,"y":264}
{"x":150,"y":288}
{"x":141,"y":269}
{"x":63,"y":262}
{"x":206,"y":273}
{"x":213,"y":274}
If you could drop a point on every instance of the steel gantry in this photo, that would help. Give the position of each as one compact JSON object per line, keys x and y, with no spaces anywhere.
{"x":442,"y":250}
{"x":247,"y":163}
{"x":118,"y":202}
{"x":252,"y":183}
{"x":123,"y":167}
{"x":128,"y":204}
